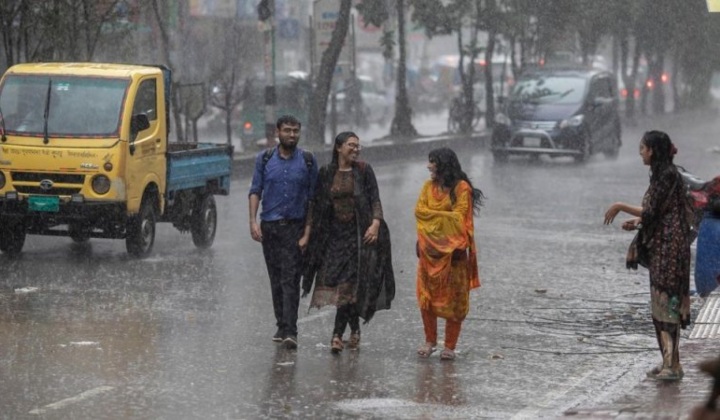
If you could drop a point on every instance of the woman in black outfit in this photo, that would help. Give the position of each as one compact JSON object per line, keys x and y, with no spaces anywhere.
{"x":348,"y":257}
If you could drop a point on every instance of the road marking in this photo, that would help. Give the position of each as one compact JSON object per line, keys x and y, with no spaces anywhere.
{"x":72,"y":400}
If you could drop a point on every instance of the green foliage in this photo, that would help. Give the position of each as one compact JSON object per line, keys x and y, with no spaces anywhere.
{"x":373,"y":12}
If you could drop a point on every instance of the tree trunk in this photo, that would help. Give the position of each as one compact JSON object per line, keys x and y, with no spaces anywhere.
{"x":318,"y":101}
{"x":402,"y":126}
{"x":165,"y":40}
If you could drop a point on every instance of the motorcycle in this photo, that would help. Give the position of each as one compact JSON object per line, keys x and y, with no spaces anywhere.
{"x":705,"y":199}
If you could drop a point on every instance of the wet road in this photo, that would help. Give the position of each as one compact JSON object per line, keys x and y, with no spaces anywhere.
{"x":87,"y":332}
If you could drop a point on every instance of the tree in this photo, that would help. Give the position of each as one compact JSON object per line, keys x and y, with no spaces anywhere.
{"x":380,"y":13}
{"x":226,"y":71}
{"x":402,"y":126}
{"x":318,"y":101}
{"x":158,"y":9}
{"x":454,"y":17}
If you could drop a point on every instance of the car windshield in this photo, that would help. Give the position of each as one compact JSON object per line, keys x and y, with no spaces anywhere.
{"x":78,"y":106}
{"x":549,"y":89}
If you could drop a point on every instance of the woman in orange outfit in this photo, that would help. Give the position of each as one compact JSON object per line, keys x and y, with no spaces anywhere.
{"x":447,"y":267}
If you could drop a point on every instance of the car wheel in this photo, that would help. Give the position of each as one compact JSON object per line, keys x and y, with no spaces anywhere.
{"x":500,"y":157}
{"x":614,"y":150}
{"x":584,"y":149}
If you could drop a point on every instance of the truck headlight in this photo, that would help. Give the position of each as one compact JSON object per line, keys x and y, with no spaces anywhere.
{"x":573,"y":121}
{"x":2,"y":180}
{"x":101,"y":184}
{"x":501,"y":118}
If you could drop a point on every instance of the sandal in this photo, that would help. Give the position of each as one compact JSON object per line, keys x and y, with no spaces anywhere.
{"x":336,"y":344}
{"x":426,"y":350}
{"x":669,"y":375}
{"x":354,"y":343}
{"x":447,"y":354}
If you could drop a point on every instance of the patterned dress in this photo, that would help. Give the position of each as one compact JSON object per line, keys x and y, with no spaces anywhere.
{"x":669,"y":238}
{"x":447,"y":266}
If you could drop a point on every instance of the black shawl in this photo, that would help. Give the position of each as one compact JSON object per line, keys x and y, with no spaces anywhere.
{"x":376,"y":280}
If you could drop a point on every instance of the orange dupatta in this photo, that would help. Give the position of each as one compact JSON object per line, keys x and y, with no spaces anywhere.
{"x":443,"y":228}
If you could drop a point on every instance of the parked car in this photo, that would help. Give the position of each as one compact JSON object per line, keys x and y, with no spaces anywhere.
{"x":375,"y":107}
{"x":559,"y":112}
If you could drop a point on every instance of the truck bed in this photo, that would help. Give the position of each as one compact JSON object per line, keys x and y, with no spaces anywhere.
{"x":199,"y":165}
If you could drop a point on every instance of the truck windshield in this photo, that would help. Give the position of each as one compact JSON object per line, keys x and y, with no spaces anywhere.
{"x":551,"y":89}
{"x":78,"y":106}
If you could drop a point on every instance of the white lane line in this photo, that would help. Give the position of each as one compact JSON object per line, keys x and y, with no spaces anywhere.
{"x":313,"y":317}
{"x":72,"y":400}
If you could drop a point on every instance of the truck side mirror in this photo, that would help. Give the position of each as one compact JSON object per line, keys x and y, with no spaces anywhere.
{"x":138,"y":123}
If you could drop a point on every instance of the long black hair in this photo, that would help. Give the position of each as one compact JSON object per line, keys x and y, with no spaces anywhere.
{"x":663,"y":151}
{"x":449,"y":172}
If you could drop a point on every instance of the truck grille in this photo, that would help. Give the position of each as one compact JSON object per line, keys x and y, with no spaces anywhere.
{"x":24,"y":189}
{"x":56,"y":178}
{"x":63,"y":184}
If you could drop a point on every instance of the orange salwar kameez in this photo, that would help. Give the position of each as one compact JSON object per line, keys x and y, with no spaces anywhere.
{"x":447,"y":265}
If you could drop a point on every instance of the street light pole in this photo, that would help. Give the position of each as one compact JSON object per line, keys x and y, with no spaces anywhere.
{"x":266,"y":15}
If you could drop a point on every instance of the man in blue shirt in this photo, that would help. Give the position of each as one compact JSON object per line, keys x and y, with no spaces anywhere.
{"x":284,"y":179}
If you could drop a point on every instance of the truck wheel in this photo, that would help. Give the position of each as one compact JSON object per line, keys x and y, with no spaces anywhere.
{"x":141,"y":230}
{"x":12,"y":238}
{"x":204,"y":222}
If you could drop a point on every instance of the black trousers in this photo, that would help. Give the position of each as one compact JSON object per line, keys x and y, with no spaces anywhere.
{"x":284,"y":265}
{"x":346,"y":314}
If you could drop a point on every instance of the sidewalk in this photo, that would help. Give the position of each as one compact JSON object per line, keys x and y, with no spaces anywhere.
{"x":649,"y":399}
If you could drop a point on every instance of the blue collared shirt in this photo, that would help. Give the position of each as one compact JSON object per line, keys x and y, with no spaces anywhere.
{"x":285,"y":185}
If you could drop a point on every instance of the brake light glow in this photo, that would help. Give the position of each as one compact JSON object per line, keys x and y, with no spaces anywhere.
{"x":665,"y":78}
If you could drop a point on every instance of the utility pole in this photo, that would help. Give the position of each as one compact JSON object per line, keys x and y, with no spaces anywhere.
{"x":266,"y":15}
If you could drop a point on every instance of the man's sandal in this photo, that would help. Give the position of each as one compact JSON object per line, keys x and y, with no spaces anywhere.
{"x":447,"y":354}
{"x":426,"y":350}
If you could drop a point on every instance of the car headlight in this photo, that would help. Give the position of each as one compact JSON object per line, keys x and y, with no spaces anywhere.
{"x":2,"y":180}
{"x":573,"y":121}
{"x":501,"y":118}
{"x":101,"y":184}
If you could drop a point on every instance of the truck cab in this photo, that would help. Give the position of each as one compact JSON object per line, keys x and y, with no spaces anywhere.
{"x":84,"y":153}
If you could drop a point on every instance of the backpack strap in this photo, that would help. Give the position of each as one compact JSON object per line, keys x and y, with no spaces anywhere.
{"x":266,"y":157}
{"x":308,"y":156}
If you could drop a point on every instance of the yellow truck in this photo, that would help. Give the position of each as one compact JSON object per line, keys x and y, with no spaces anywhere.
{"x":84,"y":153}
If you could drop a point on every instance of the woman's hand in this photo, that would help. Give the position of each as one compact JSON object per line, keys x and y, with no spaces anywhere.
{"x":303,"y":242}
{"x":631,"y":224}
{"x":371,"y":234}
{"x":612,"y":211}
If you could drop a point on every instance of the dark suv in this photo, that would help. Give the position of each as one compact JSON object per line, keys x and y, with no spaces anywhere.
{"x":559,"y":112}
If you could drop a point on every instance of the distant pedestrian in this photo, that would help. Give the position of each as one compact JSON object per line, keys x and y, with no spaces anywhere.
{"x":447,"y":267}
{"x":349,"y":258}
{"x":665,"y":237}
{"x":284,"y":179}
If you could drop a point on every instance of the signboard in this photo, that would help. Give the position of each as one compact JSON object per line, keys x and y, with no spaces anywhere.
{"x":325,"y":15}
{"x":713,"y":5}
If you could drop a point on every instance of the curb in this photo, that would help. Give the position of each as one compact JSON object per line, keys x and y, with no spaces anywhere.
{"x":380,"y":150}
